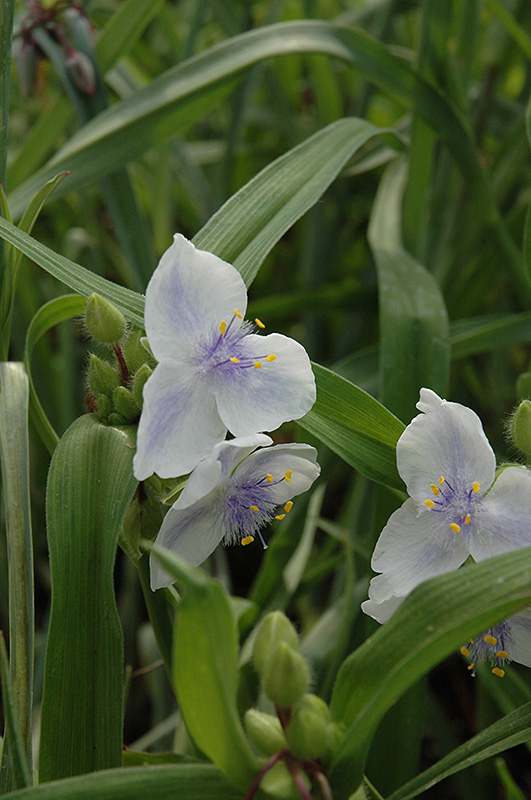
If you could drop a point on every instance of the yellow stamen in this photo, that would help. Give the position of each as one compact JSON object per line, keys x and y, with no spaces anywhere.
{"x":288,"y":506}
{"x":280,"y":516}
{"x":471,"y":666}
{"x":240,"y":316}
{"x":254,"y":508}
{"x":490,"y":639}
{"x":502,"y":654}
{"x":269,"y":478}
{"x":499,"y":672}
{"x":257,"y":364}
{"x":467,"y":519}
{"x":247,"y":540}
{"x":259,"y":323}
{"x":441,"y":480}
{"x":475,"y":487}
{"x":434,"y":489}
{"x":271,"y":357}
{"x":223,"y":327}
{"x":465,"y":651}
{"x":234,"y":360}
{"x":455,"y":527}
{"x":288,"y":475}
{"x":429,"y":503}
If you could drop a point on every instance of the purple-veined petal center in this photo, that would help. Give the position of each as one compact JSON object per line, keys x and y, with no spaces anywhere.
{"x":248,"y":505}
{"x":494,"y":646}
{"x":457,"y":501}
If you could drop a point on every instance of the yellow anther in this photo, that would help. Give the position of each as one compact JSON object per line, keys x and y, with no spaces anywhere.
{"x":223,"y":327}
{"x":247,"y":540}
{"x":257,"y":364}
{"x":269,"y":478}
{"x":490,"y":639}
{"x":471,"y":666}
{"x":475,"y":487}
{"x":271,"y":357}
{"x":234,"y":360}
{"x":441,"y":480}
{"x":465,"y":651}
{"x":499,"y":672}
{"x":254,"y":508}
{"x":259,"y":323}
{"x":288,"y":506}
{"x":455,"y":527}
{"x":240,"y":316}
{"x":280,"y":516}
{"x":467,"y":519}
{"x":434,"y":489}
{"x":288,"y":475}
{"x":429,"y":503}
{"x":502,"y":654}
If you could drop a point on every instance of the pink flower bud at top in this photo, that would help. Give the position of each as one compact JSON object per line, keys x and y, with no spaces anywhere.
{"x":275,"y":627}
{"x":81,"y":70}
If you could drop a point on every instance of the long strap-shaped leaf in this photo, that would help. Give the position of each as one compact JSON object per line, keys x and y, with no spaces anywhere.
{"x":90,"y":485}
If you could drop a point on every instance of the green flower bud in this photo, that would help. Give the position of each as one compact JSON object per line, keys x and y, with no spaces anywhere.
{"x":134,"y":352}
{"x":278,"y":783}
{"x":139,"y":381}
{"x":521,"y":427}
{"x":285,"y":676}
{"x":141,"y":521}
{"x":124,"y":404}
{"x":275,"y":627}
{"x":523,"y":385}
{"x":265,"y":731}
{"x":334,"y":738}
{"x":315,"y":704}
{"x":104,"y":322}
{"x":116,"y":419}
{"x":101,"y":376}
{"x":307,"y":733}
{"x":104,"y":408}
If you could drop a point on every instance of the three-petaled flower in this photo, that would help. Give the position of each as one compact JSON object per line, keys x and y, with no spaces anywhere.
{"x":457,"y":506}
{"x":214,"y":372}
{"x":231,"y":494}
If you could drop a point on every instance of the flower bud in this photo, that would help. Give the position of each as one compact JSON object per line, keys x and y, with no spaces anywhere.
{"x":334,"y":738}
{"x":275,"y":627}
{"x":285,"y":676}
{"x":307,"y":733}
{"x":521,"y":427}
{"x":523,"y":385}
{"x":265,"y":731}
{"x":139,"y":380}
{"x":104,"y":407}
{"x":315,"y":704}
{"x":124,"y":404}
{"x":101,"y":377}
{"x":135,"y":353}
{"x":81,"y":70}
{"x":141,"y":521}
{"x":104,"y":321}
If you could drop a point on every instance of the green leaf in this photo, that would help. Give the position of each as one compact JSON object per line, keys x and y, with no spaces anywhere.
{"x":433,"y":621}
{"x":414,"y":348}
{"x":190,"y":781}
{"x":15,"y":475}
{"x":485,"y":334}
{"x":205,"y":667}
{"x":13,"y":756}
{"x":512,"y":730}
{"x":90,"y":486}
{"x":355,"y":426}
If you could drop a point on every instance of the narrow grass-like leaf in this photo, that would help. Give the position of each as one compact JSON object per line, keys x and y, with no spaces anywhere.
{"x":205,"y":667}
{"x":190,"y":781}
{"x":485,"y":334}
{"x":52,"y":313}
{"x":414,"y":348}
{"x":15,"y":476}
{"x":355,"y":426}
{"x":7,"y":11}
{"x":432,"y":622}
{"x":513,"y":729}
{"x":90,"y":485}
{"x":13,"y":757}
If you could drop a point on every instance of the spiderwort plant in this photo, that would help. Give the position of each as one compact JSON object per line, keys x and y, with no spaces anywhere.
{"x":215,"y":373}
{"x":231,"y":494}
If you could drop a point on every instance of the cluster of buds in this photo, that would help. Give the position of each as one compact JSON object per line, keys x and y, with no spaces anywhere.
{"x":300,"y":739}
{"x":115,"y":389}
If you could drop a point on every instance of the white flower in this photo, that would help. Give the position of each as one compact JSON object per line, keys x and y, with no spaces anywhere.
{"x":231,"y":495}
{"x":456,"y":507}
{"x":214,"y":373}
{"x":510,"y":640}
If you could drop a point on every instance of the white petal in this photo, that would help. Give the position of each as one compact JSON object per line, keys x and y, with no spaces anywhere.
{"x":232,"y":451}
{"x":190,"y":293}
{"x":503,"y":520}
{"x":413,"y":548}
{"x":192,"y":533}
{"x":280,"y":390}
{"x":179,"y":424}
{"x":429,"y":401}
{"x":447,"y":441}
{"x":381,"y":611}
{"x":520,"y":648}
{"x":276,"y":461}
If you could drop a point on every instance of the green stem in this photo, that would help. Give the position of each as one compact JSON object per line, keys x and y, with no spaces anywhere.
{"x":7,"y":8}
{"x":159,"y":616}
